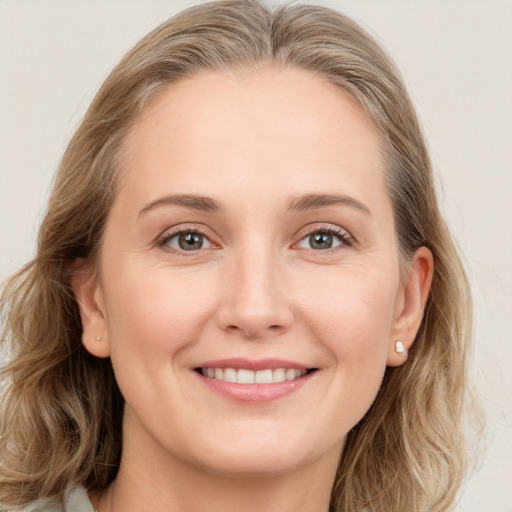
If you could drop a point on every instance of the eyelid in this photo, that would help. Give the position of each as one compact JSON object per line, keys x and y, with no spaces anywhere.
{"x":171,"y":232}
{"x":345,"y":236}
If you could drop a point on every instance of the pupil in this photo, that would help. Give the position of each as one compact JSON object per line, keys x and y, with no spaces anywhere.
{"x":190,"y":241}
{"x":321,"y":241}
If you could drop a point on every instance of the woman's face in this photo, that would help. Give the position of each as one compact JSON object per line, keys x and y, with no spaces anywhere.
{"x":251,"y":239}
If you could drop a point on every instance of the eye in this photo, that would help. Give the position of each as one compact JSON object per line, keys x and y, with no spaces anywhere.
{"x":186,"y":241}
{"x":324,"y":239}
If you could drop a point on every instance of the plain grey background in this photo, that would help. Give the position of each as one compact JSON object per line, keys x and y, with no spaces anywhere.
{"x":456,"y":57}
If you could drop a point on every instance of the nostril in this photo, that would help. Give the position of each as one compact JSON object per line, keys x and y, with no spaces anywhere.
{"x":256,"y":332}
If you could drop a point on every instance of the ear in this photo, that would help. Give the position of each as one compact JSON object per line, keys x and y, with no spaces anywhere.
{"x":89,"y":295}
{"x":410,"y":306}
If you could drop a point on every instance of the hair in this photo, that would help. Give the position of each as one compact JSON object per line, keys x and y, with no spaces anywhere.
{"x":61,"y":409}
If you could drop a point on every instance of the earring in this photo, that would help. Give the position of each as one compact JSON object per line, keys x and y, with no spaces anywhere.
{"x":399,"y":347}
{"x":98,"y":338}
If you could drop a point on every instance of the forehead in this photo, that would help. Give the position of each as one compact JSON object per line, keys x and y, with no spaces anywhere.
{"x":248,"y":128}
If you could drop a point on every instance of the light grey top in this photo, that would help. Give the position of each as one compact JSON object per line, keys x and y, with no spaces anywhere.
{"x":75,"y":500}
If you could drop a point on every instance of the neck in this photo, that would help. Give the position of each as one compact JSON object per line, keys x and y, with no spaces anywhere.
{"x":148,"y":481}
{"x":196,"y":493}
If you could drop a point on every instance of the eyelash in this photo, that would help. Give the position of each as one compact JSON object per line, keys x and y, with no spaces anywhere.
{"x":341,"y":234}
{"x":169,"y":235}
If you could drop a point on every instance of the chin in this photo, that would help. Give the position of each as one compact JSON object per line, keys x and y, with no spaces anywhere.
{"x":257,"y":459}
{"x":260,"y":467}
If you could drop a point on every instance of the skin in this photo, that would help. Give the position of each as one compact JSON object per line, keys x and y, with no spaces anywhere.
{"x":255,"y":142}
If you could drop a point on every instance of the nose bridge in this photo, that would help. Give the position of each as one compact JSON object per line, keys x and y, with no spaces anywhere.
{"x":255,"y":301}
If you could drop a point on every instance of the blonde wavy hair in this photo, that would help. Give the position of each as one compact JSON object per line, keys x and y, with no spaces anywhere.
{"x":61,"y":409}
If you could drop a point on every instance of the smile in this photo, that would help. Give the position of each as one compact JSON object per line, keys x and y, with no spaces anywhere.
{"x":254,"y":381}
{"x":247,"y":376}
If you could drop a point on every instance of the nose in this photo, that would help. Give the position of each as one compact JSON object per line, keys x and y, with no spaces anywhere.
{"x":255,"y":303}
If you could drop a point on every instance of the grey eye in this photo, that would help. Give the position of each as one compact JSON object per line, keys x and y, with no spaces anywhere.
{"x":321,"y":240}
{"x":188,"y":241}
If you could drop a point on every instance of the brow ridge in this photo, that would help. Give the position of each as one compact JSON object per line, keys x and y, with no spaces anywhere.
{"x":193,"y":201}
{"x":312,"y":201}
{"x":305,"y":202}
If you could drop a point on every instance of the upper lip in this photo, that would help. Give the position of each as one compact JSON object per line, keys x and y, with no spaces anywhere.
{"x":253,"y":364}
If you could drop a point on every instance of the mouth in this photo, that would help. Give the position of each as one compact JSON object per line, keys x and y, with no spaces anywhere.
{"x":249,"y":376}
{"x":254,"y":381}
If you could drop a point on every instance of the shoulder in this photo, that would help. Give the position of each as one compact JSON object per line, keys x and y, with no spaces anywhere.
{"x":42,"y":505}
{"x":75,"y":500}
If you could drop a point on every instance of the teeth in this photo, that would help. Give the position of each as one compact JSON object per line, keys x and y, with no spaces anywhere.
{"x":290,"y":374}
{"x":230,"y":375}
{"x":279,"y":375}
{"x":263,"y":377}
{"x":244,"y":376}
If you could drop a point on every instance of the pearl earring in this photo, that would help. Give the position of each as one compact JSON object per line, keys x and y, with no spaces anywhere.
{"x":399,"y":347}
{"x":98,"y":338}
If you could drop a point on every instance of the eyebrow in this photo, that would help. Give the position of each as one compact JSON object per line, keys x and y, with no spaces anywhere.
{"x":202,"y":203}
{"x":311,"y":201}
{"x":306,"y":202}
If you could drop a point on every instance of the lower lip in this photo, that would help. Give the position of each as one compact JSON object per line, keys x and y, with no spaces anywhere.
{"x":255,"y":393}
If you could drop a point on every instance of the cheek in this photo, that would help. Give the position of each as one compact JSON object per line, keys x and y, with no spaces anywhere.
{"x":154,"y":314}
{"x":154,"y":318}
{"x":353,"y":319}
{"x":358,"y":304}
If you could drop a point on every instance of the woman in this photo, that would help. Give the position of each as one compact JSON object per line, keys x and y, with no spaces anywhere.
{"x":244,"y":295}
